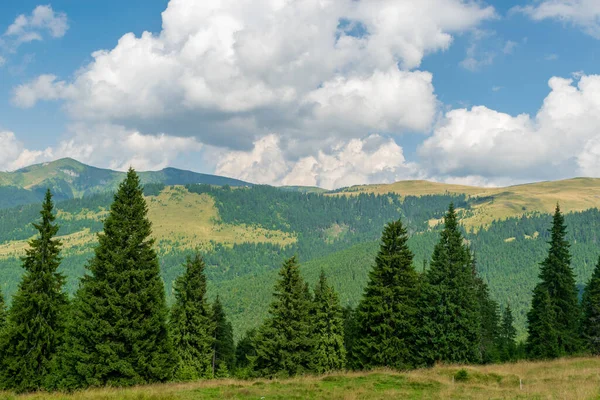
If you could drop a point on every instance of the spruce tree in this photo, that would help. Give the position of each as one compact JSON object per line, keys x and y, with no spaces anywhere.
{"x":35,"y":324}
{"x":386,"y":316}
{"x":329,"y":353}
{"x":192,"y":326}
{"x":245,"y":354}
{"x":118,"y":332}
{"x":558,"y":280}
{"x":223,"y":360}
{"x":451,"y":314}
{"x":284,"y":343}
{"x":591,"y":312}
{"x":542,"y":341}
{"x":507,"y":346}
{"x":350,"y":335}
{"x":490,"y":320}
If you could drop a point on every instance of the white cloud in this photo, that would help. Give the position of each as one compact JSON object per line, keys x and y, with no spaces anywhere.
{"x":42,"y":20}
{"x":358,"y":161}
{"x":14,"y":155}
{"x":582,"y":13}
{"x":476,"y":57}
{"x":233,"y":71}
{"x":509,"y":47}
{"x":2,"y":61}
{"x":560,"y":141}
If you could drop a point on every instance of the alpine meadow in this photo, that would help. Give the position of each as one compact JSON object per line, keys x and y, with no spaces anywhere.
{"x":299,"y":199}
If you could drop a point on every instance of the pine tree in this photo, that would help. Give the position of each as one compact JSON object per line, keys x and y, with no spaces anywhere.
{"x":542,"y":342}
{"x":192,"y":326}
{"x":245,"y":354}
{"x":507,"y":346}
{"x":35,"y":324}
{"x":558,"y":279}
{"x":118,"y":332}
{"x":591,"y":312}
{"x":2,"y":313}
{"x":387,"y":314}
{"x":223,"y":361}
{"x":490,"y":320}
{"x":284,"y":343}
{"x":449,"y":305}
{"x":329,"y":353}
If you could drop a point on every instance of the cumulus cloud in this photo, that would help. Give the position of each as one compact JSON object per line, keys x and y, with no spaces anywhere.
{"x":42,"y":20}
{"x":233,"y":71}
{"x":561,"y":140}
{"x":358,"y":161}
{"x":582,"y":13}
{"x":14,"y":155}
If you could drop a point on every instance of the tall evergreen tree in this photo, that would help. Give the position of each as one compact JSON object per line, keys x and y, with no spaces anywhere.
{"x":329,"y":353}
{"x":507,"y":346}
{"x":192,"y":326}
{"x":489,"y":318}
{"x":591,"y":312}
{"x":558,"y":279}
{"x":117,"y":334}
{"x":350,"y":335}
{"x":451,"y":328}
{"x":284,"y":343}
{"x":387,"y":314}
{"x":245,"y":354}
{"x":223,"y":360}
{"x":2,"y":313}
{"x":35,"y":324}
{"x":542,"y":341}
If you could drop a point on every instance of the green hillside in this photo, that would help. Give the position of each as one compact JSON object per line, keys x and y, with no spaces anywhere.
{"x":68,"y":179}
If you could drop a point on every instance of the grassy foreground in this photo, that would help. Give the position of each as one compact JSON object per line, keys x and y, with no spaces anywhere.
{"x":576,"y":378}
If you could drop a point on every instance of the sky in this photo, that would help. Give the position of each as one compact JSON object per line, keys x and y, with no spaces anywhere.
{"x":327,"y":93}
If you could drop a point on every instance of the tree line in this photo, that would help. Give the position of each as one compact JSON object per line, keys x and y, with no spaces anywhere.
{"x":118,"y":330}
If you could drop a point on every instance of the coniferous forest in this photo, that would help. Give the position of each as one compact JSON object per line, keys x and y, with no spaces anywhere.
{"x":118,"y":329}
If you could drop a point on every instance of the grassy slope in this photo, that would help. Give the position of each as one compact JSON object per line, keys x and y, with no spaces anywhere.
{"x":575,"y":378}
{"x":573,"y":195}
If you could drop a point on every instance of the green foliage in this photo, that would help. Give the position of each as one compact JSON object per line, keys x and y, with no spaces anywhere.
{"x":558,"y":280}
{"x":2,"y":313}
{"x":507,"y":347}
{"x":224,"y":347}
{"x":462,"y":375}
{"x":245,"y":354}
{"x":451,"y":313}
{"x":591,"y":312}
{"x":192,"y":325}
{"x":284,"y":343}
{"x":35,"y":324}
{"x":387,"y":315}
{"x":117,"y":333}
{"x":329,"y":352}
{"x":489,"y":320}
{"x":542,"y":341}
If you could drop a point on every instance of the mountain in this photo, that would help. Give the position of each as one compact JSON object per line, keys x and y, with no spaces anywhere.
{"x":245,"y":234}
{"x":68,"y":179}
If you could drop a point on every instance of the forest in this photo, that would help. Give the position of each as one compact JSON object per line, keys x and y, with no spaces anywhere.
{"x":117,"y":329}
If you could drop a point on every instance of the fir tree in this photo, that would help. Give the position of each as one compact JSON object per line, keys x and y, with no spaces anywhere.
{"x":490,"y":320}
{"x":451,"y":330}
{"x":223,"y":361}
{"x":118,"y":332}
{"x":245,"y":354}
{"x":558,"y":279}
{"x":2,"y":313}
{"x":507,"y":335}
{"x":387,"y":314}
{"x":542,"y":342}
{"x":591,"y":312}
{"x":329,"y":353}
{"x":284,"y":343}
{"x":35,"y":324}
{"x":192,"y":326}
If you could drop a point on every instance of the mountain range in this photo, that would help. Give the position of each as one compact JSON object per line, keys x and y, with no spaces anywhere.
{"x":245,"y":231}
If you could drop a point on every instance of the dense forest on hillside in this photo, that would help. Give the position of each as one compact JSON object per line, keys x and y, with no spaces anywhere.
{"x":336,"y":233}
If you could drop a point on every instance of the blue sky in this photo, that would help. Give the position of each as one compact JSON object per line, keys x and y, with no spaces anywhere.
{"x":248,"y":127}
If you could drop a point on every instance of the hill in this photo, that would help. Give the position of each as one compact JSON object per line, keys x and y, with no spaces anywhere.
{"x":565,"y":379}
{"x":68,"y":179}
{"x":491,"y":204}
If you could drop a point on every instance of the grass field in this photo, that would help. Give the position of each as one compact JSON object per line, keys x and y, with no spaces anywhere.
{"x":573,"y":195}
{"x":577,"y":378}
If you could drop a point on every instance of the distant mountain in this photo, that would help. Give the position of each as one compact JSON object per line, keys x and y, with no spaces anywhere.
{"x":69,"y":179}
